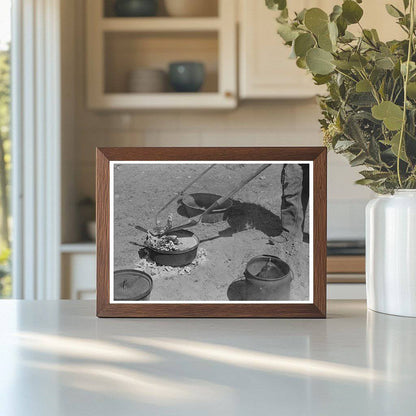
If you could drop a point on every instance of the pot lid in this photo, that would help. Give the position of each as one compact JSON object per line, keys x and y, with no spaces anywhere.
{"x":131,"y":285}
{"x":267,"y":267}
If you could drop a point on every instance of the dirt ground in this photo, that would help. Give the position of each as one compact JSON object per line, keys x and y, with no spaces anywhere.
{"x":140,"y":190}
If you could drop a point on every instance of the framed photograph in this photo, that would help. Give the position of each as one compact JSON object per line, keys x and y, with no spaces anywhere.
{"x":211,"y":232}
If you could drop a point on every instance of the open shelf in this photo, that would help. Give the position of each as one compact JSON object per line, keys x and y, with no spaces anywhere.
{"x":81,"y":247}
{"x":162,"y":101}
{"x":160,"y":24}
{"x":211,"y":9}
{"x":116,"y":46}
{"x":127,"y":51}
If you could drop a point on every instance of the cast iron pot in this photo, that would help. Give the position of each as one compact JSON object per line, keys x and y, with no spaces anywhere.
{"x":196,"y":204}
{"x":271,"y":285}
{"x":132,"y":285}
{"x":135,"y":8}
{"x":175,"y":258}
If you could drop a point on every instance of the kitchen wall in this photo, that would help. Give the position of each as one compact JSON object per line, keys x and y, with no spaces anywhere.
{"x":255,"y":123}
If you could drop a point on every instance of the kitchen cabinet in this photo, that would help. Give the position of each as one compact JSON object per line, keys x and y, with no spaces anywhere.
{"x":118,"y":45}
{"x":78,"y":262}
{"x":265,"y":70}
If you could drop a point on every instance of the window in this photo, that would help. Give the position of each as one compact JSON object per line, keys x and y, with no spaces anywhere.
{"x":5,"y":147}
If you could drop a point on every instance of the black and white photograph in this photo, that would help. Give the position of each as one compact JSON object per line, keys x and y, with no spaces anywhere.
{"x":212,"y":232}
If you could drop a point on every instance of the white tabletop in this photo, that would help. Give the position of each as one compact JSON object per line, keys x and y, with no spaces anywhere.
{"x":58,"y":359}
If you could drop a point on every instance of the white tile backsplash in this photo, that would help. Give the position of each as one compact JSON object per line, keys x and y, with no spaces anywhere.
{"x":341,"y":180}
{"x":346,"y":219}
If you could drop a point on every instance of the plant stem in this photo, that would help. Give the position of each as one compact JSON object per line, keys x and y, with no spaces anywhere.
{"x":392,"y":90}
{"x":369,"y":41}
{"x":406,"y":80}
{"x":345,"y":75}
{"x":373,"y":90}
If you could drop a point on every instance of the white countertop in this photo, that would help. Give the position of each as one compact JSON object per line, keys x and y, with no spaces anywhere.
{"x":58,"y":359}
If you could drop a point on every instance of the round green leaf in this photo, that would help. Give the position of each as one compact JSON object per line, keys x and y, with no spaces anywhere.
{"x":411,"y":90}
{"x":391,"y":114}
{"x":342,"y":25}
{"x":394,"y":144}
{"x":276,"y":4}
{"x":358,"y":61}
{"x":351,"y":11}
{"x":301,"y":63}
{"x":363,"y":86}
{"x":343,"y":65}
{"x":324,"y":42}
{"x":333,"y":32}
{"x":300,"y":16}
{"x":336,"y":12}
{"x":321,"y":79}
{"x":286,"y":32}
{"x":327,"y":40}
{"x":303,"y":43}
{"x":319,"y":61}
{"x":316,"y":20}
{"x":385,"y":63}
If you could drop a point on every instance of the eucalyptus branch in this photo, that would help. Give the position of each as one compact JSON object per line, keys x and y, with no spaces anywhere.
{"x":406,"y":80}
{"x":398,"y":95}
{"x":392,"y":90}
{"x":373,"y":89}
{"x":364,"y":110}
{"x":369,"y":41}
{"x":346,"y":75}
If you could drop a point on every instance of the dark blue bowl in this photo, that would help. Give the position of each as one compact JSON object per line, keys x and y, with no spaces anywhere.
{"x":186,"y":76}
{"x":136,"y":8}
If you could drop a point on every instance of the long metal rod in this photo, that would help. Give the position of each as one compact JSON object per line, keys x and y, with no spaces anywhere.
{"x":178,"y":194}
{"x":220,"y":201}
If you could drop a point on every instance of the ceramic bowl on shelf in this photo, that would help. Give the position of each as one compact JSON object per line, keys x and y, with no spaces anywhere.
{"x":147,"y":80}
{"x":135,"y":8}
{"x":191,"y":8}
{"x":186,"y":76}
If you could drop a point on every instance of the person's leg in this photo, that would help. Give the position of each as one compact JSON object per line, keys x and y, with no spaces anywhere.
{"x":305,"y":194}
{"x":291,"y":207}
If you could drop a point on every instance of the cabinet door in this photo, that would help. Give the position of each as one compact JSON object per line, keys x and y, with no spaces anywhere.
{"x":78,"y":276}
{"x":265,"y":68}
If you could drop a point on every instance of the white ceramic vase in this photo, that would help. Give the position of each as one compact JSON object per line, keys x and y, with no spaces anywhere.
{"x":391,"y":253}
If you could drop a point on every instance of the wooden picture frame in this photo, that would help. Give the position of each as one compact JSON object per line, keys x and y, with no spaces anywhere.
{"x":315,"y":307}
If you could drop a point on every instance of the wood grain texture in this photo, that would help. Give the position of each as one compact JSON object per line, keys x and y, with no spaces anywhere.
{"x":317,"y":309}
